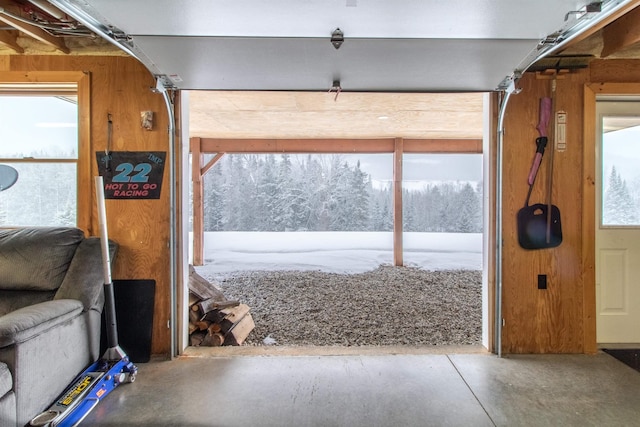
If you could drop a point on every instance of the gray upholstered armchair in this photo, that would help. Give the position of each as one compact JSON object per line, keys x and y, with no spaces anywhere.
{"x":51,"y":300}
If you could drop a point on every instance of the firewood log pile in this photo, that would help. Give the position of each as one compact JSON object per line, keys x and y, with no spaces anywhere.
{"x":213,"y":320}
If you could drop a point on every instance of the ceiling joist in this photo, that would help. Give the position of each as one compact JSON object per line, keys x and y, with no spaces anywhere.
{"x":10,"y":40}
{"x":35,"y":32}
{"x":621,"y":34}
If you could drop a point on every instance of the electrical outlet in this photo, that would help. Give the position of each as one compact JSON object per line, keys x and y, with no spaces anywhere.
{"x":542,"y":281}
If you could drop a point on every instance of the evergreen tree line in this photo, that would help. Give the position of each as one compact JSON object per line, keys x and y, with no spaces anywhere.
{"x":619,"y":206}
{"x":44,"y":195}
{"x":253,"y":192}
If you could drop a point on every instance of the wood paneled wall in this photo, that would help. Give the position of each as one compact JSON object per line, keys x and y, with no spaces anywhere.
{"x":120,"y":86}
{"x":560,"y":319}
{"x":551,"y":320}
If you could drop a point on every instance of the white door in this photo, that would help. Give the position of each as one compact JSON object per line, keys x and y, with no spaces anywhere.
{"x":618,"y":221}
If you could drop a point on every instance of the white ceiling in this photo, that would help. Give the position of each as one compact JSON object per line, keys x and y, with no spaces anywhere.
{"x":460,"y":19}
{"x":389,"y":46}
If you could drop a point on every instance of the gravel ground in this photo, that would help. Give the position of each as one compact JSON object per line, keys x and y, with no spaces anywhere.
{"x":383,"y":307}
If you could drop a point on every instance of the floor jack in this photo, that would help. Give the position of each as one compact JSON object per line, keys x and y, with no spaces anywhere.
{"x":103,"y":376}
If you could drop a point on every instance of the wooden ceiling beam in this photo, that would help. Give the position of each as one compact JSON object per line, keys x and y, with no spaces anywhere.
{"x":35,"y":32}
{"x":611,"y":18}
{"x":622,"y":33}
{"x":10,"y":40}
{"x":345,"y":146}
{"x":437,"y":145}
{"x":320,"y":146}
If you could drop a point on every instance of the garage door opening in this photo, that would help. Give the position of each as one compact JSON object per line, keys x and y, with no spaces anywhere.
{"x":306,"y":241}
{"x":361,"y":268}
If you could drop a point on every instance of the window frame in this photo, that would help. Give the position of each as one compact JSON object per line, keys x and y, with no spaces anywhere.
{"x":60,"y":83}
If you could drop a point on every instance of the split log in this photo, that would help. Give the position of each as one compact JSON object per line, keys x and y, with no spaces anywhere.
{"x":214,"y":328}
{"x":227,"y":317}
{"x":214,"y":320}
{"x":213,"y":340}
{"x":240,"y":331}
{"x":213,"y":304}
{"x":193,"y":299}
{"x":203,"y":325}
{"x":192,"y":328}
{"x":196,"y":338}
{"x":202,"y":288}
{"x":195,"y":316}
{"x":235,"y":314}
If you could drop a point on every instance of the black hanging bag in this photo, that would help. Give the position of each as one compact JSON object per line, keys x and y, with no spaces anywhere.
{"x":539,"y":225}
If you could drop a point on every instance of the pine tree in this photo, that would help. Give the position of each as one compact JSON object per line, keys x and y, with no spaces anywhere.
{"x":213,"y":203}
{"x":339,"y":198}
{"x":292,"y":204}
{"x":375,"y":214}
{"x":618,"y":206}
{"x":239,"y":191}
{"x":468,"y":208}
{"x":628,"y":208}
{"x":313,"y":185}
{"x":436,"y":206}
{"x":359,"y":200}
{"x":387,"y":210}
{"x":320,"y":193}
{"x":409,"y":210}
{"x":267,"y":194}
{"x":4,"y":207}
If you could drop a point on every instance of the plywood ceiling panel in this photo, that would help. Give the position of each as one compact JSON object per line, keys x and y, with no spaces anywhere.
{"x":241,"y":114}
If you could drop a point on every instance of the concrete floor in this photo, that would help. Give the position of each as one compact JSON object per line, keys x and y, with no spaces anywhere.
{"x":406,"y":387}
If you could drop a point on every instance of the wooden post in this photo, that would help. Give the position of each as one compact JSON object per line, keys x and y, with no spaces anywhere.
{"x":397,"y":203}
{"x":198,"y":205}
{"x":197,"y":173}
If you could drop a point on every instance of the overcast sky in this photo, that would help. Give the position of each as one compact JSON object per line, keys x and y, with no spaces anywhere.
{"x":30,"y":124}
{"x":425,"y":167}
{"x":622,"y":149}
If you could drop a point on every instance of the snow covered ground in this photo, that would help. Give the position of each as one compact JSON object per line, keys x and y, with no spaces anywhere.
{"x":338,"y":252}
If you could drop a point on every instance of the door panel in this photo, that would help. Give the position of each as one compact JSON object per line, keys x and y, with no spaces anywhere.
{"x":618,"y":222}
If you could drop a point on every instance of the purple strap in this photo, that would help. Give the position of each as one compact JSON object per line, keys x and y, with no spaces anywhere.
{"x":543,"y":123}
{"x":545,"y":115}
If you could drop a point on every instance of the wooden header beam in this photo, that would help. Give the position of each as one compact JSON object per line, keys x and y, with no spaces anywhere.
{"x":331,"y":146}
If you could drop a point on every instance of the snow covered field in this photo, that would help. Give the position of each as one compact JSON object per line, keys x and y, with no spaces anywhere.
{"x":338,"y":252}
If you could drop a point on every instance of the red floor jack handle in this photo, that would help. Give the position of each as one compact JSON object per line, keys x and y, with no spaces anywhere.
{"x":103,"y":376}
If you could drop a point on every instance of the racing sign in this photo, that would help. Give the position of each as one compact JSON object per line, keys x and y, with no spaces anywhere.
{"x":131,"y":174}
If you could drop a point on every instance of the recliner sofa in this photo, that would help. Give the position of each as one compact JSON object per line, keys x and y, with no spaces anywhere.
{"x":51,"y":301}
